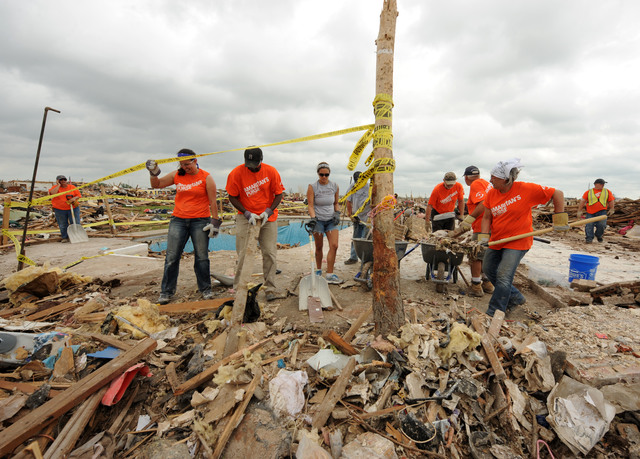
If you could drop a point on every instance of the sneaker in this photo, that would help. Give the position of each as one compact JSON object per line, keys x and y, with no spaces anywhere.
{"x":476,"y":290}
{"x":318,"y":272}
{"x":164,"y":298}
{"x":487,"y":286}
{"x":208,"y":295}
{"x":351,"y":261}
{"x":588,"y":241}
{"x":333,"y":279}
{"x":516,"y":302}
{"x":64,"y":239}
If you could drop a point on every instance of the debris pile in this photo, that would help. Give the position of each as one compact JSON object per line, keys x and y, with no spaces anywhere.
{"x":87,"y":375}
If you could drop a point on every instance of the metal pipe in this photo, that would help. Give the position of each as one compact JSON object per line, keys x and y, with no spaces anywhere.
{"x":33,"y":182}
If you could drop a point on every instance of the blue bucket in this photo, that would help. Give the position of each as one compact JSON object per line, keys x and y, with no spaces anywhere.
{"x":583,"y":266}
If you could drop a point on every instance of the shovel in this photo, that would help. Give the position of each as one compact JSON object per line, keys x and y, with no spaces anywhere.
{"x":76,"y":232}
{"x":314,"y":289}
{"x":546,"y":230}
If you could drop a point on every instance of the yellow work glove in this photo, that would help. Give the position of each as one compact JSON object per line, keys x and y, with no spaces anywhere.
{"x":467,"y":222}
{"x":560,"y":221}
{"x":483,"y":238}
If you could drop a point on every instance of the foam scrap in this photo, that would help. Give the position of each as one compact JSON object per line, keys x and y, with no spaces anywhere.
{"x":145,"y":315}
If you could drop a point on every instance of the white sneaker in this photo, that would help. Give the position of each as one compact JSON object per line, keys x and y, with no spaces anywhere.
{"x":333,"y":279}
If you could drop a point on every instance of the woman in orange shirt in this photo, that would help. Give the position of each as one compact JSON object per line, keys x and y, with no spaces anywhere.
{"x":195,"y":216}
{"x":508,"y":213}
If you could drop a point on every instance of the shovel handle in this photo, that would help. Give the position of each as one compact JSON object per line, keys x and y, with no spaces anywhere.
{"x":546,"y":230}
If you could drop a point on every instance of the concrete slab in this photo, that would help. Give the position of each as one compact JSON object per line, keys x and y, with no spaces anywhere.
{"x":602,"y":371}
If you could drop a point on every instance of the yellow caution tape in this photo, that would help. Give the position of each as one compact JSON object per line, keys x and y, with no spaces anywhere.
{"x":360,"y":146}
{"x":16,"y":244}
{"x":185,"y":158}
{"x":379,"y":166}
{"x":383,"y":106}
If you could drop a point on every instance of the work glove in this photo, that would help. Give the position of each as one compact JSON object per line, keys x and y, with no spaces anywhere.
{"x":459,"y":217}
{"x":483,"y":238}
{"x":466,"y":223}
{"x":336,"y":218}
{"x":153,"y":168}
{"x":311,"y":224}
{"x":560,"y":221}
{"x":213,"y":227}
{"x":265,"y":215}
{"x":356,"y":220}
{"x":427,"y":225}
{"x":610,"y":212}
{"x":579,"y":214}
{"x":251,"y":217}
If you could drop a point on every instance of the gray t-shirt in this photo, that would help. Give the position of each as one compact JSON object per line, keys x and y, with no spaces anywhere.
{"x":323,"y":199}
{"x":357,"y":199}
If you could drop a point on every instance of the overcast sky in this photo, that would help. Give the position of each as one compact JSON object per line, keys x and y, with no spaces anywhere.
{"x":555,"y":83}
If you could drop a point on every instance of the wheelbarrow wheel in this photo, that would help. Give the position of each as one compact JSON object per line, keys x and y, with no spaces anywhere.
{"x":440,"y":277}
{"x":367,"y":273}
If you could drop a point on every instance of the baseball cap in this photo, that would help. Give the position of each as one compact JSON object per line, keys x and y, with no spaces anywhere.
{"x":471,"y":170}
{"x":450,"y":178}
{"x":252,"y":157}
{"x":599,"y":181}
{"x":61,"y":177}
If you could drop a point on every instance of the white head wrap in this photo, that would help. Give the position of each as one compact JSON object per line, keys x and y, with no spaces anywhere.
{"x":503,"y":168}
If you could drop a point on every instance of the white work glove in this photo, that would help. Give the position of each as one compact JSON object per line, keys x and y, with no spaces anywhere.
{"x":579,"y":214}
{"x":153,"y":168}
{"x":265,"y":215}
{"x":336,"y":218}
{"x":213,"y":227}
{"x":427,"y":226}
{"x":251,"y":217}
{"x":610,"y":212}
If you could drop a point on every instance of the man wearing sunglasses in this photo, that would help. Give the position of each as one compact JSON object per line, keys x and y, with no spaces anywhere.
{"x":255,"y":190}
{"x":64,"y":204}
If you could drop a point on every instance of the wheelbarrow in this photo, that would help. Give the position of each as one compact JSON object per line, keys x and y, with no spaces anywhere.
{"x":441,"y":265}
{"x":364,"y":250}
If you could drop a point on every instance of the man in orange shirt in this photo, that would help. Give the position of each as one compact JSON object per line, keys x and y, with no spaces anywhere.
{"x":443,"y":200}
{"x":599,"y":201}
{"x":255,"y":189}
{"x":508,"y":213}
{"x":64,"y":204}
{"x":478,"y":187}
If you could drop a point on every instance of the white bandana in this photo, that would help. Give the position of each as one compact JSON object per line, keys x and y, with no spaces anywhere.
{"x":503,"y":168}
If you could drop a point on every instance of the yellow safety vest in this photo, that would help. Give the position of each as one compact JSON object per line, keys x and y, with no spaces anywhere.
{"x":604,"y":197}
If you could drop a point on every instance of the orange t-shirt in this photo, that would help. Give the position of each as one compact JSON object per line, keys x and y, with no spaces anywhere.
{"x":255,"y":190}
{"x":60,"y":202}
{"x":477,"y":191}
{"x":597,"y":206}
{"x":511,"y":212}
{"x":191,"y":200}
{"x":443,"y":200}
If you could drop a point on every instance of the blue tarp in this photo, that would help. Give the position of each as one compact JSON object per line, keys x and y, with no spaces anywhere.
{"x":293,"y":233}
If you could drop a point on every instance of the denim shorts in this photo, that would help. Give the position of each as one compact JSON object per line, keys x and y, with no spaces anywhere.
{"x":323,"y":227}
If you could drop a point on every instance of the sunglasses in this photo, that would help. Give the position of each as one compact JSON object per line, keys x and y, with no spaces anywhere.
{"x":323,"y":175}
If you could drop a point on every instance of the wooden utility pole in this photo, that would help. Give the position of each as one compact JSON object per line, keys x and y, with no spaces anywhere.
{"x":388,"y":313}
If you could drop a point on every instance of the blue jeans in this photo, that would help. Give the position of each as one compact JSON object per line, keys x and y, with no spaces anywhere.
{"x":180,"y":229}
{"x":324,"y":226}
{"x":500,"y":267}
{"x":600,"y":226}
{"x":358,"y":233}
{"x":63,"y":217}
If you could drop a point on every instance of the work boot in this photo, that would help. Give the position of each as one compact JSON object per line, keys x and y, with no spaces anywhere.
{"x":164,"y":298}
{"x":487,"y":286}
{"x":351,"y":261}
{"x":208,"y":295}
{"x":476,"y":290}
